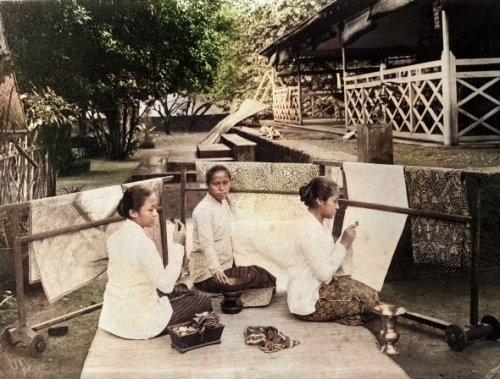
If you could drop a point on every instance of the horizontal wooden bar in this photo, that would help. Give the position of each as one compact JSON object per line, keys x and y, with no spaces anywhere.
{"x":72,"y":228}
{"x":426,"y":320}
{"x":69,"y":229}
{"x":408,"y":211}
{"x":246,"y":191}
{"x":361,"y":204}
{"x":68,"y":316}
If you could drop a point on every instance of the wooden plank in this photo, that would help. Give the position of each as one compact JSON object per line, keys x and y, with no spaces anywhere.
{"x":325,"y":350}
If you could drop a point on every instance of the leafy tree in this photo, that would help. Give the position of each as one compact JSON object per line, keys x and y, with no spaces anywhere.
{"x":254,"y":26}
{"x":104,"y":55}
{"x":50,"y":119}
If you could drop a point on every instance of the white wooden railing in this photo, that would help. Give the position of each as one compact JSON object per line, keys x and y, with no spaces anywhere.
{"x":415,"y":100}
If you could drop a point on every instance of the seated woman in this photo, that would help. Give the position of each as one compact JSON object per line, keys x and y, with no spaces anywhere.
{"x":133,"y":305}
{"x":318,"y":290}
{"x":212,"y":256}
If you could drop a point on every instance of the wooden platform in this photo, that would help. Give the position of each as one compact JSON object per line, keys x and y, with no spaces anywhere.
{"x":326,"y":350}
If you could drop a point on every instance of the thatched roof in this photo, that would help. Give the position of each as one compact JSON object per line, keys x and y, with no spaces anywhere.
{"x":381,"y":28}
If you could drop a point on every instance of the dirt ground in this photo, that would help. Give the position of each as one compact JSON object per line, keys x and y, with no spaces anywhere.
{"x":445,"y":295}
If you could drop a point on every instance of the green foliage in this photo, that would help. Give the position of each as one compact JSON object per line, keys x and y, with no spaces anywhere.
{"x":111,"y":53}
{"x":253,"y":27}
{"x":50,"y":119}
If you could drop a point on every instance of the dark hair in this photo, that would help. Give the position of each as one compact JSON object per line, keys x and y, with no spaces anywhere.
{"x":212,"y":170}
{"x":319,"y":188}
{"x":133,"y":199}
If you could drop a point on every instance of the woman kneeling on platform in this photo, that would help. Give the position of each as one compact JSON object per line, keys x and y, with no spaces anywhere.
{"x":134,"y":306}
{"x":318,"y":289}
{"x":212,"y":261}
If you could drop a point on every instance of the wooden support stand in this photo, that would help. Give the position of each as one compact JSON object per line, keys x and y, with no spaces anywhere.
{"x":30,"y":335}
{"x":375,"y":144}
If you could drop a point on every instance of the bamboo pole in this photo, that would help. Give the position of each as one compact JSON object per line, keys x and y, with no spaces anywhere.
{"x":474,"y":273}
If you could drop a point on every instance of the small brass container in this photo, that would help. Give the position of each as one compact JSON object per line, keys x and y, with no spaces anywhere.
{"x":389,"y":314}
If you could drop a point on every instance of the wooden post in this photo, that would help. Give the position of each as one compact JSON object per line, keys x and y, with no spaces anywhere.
{"x":300,"y":88}
{"x":346,"y":100}
{"x":375,"y":143}
{"x":163,"y":225}
{"x":18,"y":262}
{"x":453,"y":100}
{"x":476,"y":246}
{"x":381,"y":93}
{"x":413,"y":102}
{"x":183,"y":193}
{"x":449,"y":86}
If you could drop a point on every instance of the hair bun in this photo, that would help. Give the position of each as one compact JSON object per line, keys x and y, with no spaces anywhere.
{"x":305,"y":192}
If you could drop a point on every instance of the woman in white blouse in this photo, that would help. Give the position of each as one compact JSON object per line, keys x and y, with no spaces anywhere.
{"x":133,"y":304}
{"x":318,"y":290}
{"x":211,"y":261}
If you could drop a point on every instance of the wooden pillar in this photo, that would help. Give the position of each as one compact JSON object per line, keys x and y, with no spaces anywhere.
{"x":375,"y":143}
{"x":448,"y":70}
{"x":300,"y":87}
{"x":344,"y":74}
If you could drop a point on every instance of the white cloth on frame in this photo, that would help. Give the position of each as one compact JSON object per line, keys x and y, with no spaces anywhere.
{"x":67,"y":262}
{"x":378,"y":232}
{"x":263,"y":230}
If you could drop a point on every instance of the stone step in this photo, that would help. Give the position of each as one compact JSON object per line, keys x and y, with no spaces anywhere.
{"x":242,"y":148}
{"x":216,"y":150}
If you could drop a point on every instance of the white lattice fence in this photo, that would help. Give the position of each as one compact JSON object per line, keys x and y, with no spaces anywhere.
{"x":413,"y":101}
{"x":286,"y":104}
{"x":409,"y":98}
{"x":478,"y":99}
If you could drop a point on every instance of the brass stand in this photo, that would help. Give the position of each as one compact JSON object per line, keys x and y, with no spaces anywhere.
{"x":389,"y":314}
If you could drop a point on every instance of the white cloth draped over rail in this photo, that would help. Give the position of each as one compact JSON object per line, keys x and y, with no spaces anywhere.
{"x":379,"y":231}
{"x":67,"y":262}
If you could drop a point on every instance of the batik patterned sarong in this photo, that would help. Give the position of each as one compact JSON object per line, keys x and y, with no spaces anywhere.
{"x":341,"y":299}
{"x":435,"y":241}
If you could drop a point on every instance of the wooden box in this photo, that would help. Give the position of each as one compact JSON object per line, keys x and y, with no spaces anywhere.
{"x":194,"y":340}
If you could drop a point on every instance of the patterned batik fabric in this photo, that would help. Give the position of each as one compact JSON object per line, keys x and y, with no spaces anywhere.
{"x":186,"y":304}
{"x":343,"y":299}
{"x":68,"y":261}
{"x":439,"y":242}
{"x":264,"y":176}
{"x":268,"y":338}
{"x":255,"y":277}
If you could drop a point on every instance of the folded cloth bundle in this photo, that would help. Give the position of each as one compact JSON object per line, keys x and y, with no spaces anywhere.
{"x":268,"y":338}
